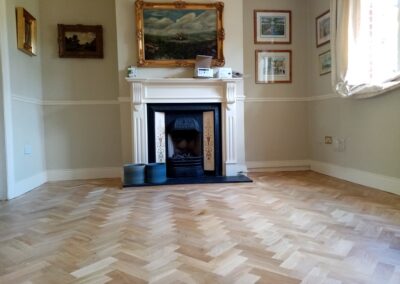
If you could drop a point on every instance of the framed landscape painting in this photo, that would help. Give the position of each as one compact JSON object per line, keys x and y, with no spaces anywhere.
{"x":273,"y":66}
{"x":325,"y":63}
{"x":80,"y":41}
{"x":272,"y":26}
{"x":323,"y":28}
{"x":173,"y":34}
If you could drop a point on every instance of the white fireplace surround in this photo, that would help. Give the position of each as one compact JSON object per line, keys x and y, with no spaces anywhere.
{"x":190,"y":90}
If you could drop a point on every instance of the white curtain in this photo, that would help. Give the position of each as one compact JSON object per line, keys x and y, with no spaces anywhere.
{"x":365,"y":46}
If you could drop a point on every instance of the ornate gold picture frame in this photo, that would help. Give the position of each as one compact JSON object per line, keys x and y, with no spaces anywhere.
{"x":26,"y":31}
{"x":172,"y":34}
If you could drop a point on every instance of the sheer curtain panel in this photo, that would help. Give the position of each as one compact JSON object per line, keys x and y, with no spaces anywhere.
{"x":365,"y":46}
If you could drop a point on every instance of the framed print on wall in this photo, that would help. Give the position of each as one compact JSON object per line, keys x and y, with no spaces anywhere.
{"x":173,"y":34}
{"x":325,"y":63}
{"x":323,"y":28}
{"x":80,"y":41}
{"x":26,"y":31}
{"x":272,"y":26}
{"x":273,"y":66}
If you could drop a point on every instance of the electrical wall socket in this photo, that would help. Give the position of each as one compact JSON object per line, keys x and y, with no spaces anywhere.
{"x":28,"y":149}
{"x":339,"y":144}
{"x":328,"y":140}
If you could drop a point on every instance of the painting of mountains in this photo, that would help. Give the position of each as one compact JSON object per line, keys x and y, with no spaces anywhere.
{"x":171,"y":34}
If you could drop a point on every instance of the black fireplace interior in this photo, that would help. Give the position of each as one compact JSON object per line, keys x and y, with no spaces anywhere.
{"x":184,"y":147}
{"x":184,"y":138}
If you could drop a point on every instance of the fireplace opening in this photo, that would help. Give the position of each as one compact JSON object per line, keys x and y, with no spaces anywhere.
{"x":184,"y":148}
{"x":187,"y":137}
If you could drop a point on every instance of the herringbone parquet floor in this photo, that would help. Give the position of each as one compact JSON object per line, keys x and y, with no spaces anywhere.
{"x":283,"y":228}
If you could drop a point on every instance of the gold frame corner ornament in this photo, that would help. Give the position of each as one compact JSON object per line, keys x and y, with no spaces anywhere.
{"x":26,"y":31}
{"x":140,"y":5}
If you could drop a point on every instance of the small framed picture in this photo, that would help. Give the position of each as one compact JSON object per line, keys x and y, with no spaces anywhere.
{"x":273,"y":66}
{"x":323,"y":28}
{"x":80,"y":41}
{"x":26,"y":32}
{"x":325,"y":63}
{"x":272,"y":26}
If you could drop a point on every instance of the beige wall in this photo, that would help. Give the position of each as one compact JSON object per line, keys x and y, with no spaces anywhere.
{"x":24,"y":69}
{"x":26,"y":81}
{"x":80,"y":136}
{"x":3,"y":100}
{"x":370,"y":126}
{"x":298,"y":46}
{"x":3,"y":169}
{"x":276,"y":131}
{"x":127,"y":54}
{"x":316,"y":85}
{"x":78,"y":79}
{"x":28,"y":132}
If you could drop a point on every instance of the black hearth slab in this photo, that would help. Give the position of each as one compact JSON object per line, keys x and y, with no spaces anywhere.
{"x":197,"y":180}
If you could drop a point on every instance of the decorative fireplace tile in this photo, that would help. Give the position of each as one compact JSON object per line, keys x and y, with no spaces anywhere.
{"x":208,"y":136}
{"x":159,"y":121}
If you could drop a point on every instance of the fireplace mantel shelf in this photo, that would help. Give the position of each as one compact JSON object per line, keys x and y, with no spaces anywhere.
{"x":191,"y":90}
{"x":174,"y":80}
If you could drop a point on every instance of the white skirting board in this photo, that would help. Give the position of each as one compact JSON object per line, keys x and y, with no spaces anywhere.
{"x":381,"y":182}
{"x":385,"y":183}
{"x":90,"y":173}
{"x":26,"y":185}
{"x":274,"y":166}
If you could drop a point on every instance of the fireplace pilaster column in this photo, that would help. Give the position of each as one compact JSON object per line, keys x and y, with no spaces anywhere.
{"x":229,"y":129}
{"x":139,"y":124}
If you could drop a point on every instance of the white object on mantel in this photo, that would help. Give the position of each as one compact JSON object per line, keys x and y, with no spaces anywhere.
{"x":190,"y":90}
{"x":224,"y":73}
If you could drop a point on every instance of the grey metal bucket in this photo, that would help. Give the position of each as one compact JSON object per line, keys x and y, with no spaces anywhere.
{"x":156,"y":173}
{"x":134,"y":174}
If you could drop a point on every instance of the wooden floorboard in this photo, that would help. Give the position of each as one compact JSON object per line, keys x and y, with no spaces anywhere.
{"x":294,"y":227}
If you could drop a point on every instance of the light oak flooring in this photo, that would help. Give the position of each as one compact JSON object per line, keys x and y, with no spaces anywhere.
{"x":298,"y":227}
